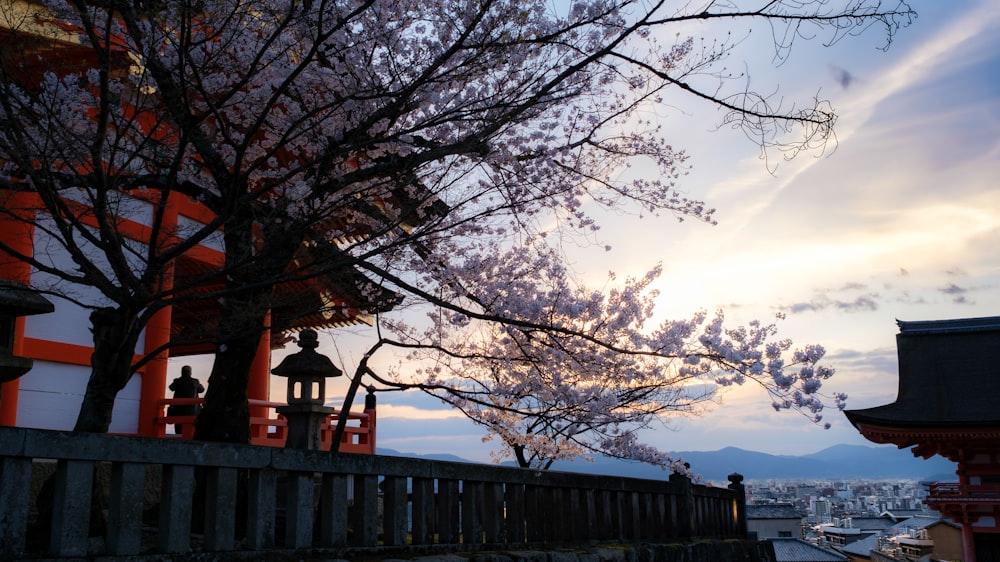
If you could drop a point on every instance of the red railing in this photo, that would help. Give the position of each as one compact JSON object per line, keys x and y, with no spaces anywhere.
{"x":955,"y":492}
{"x":270,"y":429}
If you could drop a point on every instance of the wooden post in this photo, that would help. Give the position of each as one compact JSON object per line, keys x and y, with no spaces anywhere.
{"x":493,"y":512}
{"x":685,"y":521}
{"x":394,"y":519}
{"x":514,"y":497}
{"x":472,"y":513}
{"x":446,"y":507}
{"x":740,"y":503}
{"x":423,"y":510}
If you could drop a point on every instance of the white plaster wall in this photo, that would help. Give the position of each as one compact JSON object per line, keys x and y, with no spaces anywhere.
{"x":70,"y":323}
{"x":136,"y":210}
{"x":50,"y":394}
{"x":186,"y":226}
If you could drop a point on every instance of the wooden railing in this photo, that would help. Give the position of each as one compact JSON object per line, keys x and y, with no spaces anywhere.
{"x":952,"y":492}
{"x":248,"y":500}
{"x":270,"y":429}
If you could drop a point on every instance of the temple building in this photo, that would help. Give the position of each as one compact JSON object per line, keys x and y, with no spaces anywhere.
{"x":948,"y":404}
{"x":46,"y":342}
{"x":59,"y":343}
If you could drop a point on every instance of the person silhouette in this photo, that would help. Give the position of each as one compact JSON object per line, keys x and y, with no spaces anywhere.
{"x":185,"y":386}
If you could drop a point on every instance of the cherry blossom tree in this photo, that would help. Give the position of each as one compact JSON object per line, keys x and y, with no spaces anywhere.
{"x":556,"y":371}
{"x":442,"y":148}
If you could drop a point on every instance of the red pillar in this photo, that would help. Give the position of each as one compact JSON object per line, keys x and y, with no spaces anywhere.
{"x":259,"y":387}
{"x":18,"y":233}
{"x":968,"y":537}
{"x":968,"y":542}
{"x":154,"y":374}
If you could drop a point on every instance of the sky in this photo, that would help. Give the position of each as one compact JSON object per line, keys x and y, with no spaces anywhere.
{"x":899,"y":220}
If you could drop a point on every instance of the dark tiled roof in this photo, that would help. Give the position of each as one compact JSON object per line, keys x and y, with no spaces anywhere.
{"x":774,"y":511}
{"x":861,"y":547}
{"x":959,"y":360}
{"x":914,"y":523}
{"x":797,"y":550}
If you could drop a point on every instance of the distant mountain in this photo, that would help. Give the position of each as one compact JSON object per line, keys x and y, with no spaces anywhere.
{"x":838,"y":461}
{"x":430,"y":456}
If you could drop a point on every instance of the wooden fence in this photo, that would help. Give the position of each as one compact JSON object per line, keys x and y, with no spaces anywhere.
{"x":210,"y":497}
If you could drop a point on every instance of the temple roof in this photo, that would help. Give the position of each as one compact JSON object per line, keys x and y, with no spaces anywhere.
{"x":949,"y":377}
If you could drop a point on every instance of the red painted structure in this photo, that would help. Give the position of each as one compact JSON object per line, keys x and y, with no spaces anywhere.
{"x":59,"y":343}
{"x":55,"y":353}
{"x":948,"y":404}
{"x":270,"y":429}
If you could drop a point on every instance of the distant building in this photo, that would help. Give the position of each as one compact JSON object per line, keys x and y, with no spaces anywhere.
{"x":920,"y":538}
{"x":947,"y":404}
{"x":875,"y":524}
{"x":841,"y":533}
{"x":772,"y":521}
{"x":862,"y":550}
{"x":820,"y":509}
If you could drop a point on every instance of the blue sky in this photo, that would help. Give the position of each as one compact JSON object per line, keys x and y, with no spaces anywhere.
{"x":901,"y":221}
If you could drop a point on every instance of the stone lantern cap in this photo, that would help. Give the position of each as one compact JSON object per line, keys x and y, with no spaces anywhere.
{"x":306,"y":368}
{"x":20,"y":300}
{"x":16,"y":300}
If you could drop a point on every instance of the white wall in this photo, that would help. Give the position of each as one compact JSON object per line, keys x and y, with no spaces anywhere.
{"x":50,"y":394}
{"x":70,"y":323}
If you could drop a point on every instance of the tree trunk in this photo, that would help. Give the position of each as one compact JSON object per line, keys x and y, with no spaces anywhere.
{"x":116,"y":331}
{"x":251,"y":273}
{"x":226,"y":415}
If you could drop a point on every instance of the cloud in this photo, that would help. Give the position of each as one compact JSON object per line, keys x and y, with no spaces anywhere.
{"x":872,"y":361}
{"x":416,"y":399}
{"x":411,"y":412}
{"x":952,"y":289}
{"x":425,"y":436}
{"x":959,"y":295}
{"x":863,"y":303}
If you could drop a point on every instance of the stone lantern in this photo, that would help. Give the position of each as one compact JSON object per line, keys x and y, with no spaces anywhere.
{"x":307,"y":372}
{"x":16,"y":300}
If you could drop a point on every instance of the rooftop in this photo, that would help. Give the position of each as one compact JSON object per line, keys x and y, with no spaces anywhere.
{"x":774,"y":511}
{"x":949,"y":377}
{"x":798,"y":550}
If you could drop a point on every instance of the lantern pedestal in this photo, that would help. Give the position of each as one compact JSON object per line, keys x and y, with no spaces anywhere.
{"x":305,"y":422}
